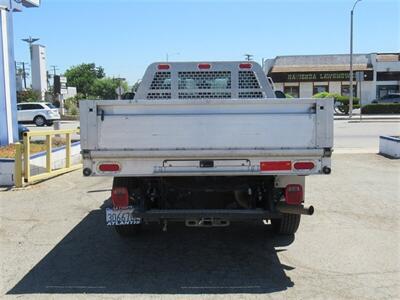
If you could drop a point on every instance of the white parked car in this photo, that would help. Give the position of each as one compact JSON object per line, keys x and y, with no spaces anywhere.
{"x":39,"y":113}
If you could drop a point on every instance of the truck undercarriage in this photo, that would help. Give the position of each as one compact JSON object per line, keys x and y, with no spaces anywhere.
{"x":206,"y":201}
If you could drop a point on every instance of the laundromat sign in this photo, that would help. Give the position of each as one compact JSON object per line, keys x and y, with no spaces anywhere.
{"x":316,"y":76}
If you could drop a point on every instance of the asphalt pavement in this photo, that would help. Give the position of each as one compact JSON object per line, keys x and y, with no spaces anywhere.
{"x":54,"y":243}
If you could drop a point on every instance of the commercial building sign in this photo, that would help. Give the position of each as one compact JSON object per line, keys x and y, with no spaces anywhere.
{"x":60,"y":85}
{"x":316,"y":76}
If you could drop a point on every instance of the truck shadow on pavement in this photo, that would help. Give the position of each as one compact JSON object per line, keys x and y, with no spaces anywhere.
{"x":92,"y":258}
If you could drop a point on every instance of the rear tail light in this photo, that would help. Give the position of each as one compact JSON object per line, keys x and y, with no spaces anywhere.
{"x":285,"y":165}
{"x":245,"y":66}
{"x":204,"y":66}
{"x":304,"y":165}
{"x":294,"y":194}
{"x":120,"y":197}
{"x":163,"y":67}
{"x":109,"y":167}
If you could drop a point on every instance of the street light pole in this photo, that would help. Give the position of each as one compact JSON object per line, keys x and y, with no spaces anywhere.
{"x":351,"y":60}
{"x":30,"y":41}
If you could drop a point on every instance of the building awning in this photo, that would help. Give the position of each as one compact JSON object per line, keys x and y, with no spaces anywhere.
{"x":388,"y":57}
{"x":319,"y":68}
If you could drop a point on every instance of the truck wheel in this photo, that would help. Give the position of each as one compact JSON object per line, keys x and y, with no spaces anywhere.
{"x":128,"y":230}
{"x":287,"y":225}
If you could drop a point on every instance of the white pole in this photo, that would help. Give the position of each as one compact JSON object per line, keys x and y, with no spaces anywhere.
{"x":351,"y":65}
{"x":351,"y":61}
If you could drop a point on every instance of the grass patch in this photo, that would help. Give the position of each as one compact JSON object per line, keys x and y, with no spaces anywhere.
{"x":36,"y":147}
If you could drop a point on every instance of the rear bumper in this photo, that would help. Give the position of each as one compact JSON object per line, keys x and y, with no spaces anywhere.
{"x":230,"y":214}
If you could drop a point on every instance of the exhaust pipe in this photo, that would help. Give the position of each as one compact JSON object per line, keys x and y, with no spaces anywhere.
{"x":294,"y":209}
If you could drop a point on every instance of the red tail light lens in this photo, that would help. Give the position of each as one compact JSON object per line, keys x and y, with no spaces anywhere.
{"x":120,"y":197}
{"x":163,"y":67}
{"x":285,"y":165}
{"x":294,"y":194}
{"x":245,"y":66}
{"x":110,"y":167}
{"x":305,"y":165}
{"x":204,"y":66}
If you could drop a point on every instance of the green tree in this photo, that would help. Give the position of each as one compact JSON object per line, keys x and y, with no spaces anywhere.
{"x":104,"y":88}
{"x":28,"y":95}
{"x":83,"y":77}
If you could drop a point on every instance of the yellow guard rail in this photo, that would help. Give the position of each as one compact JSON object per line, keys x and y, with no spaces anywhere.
{"x":26,"y":174}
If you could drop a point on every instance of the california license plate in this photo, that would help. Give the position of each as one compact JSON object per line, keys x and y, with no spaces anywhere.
{"x":121,"y":217}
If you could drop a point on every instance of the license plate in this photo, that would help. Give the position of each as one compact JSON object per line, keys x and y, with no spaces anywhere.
{"x":121,"y":217}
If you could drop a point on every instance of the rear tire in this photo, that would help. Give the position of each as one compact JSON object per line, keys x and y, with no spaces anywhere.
{"x":49,"y":123}
{"x":39,"y":121}
{"x":287,"y":225}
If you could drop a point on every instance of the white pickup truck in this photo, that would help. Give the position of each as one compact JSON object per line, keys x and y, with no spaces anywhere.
{"x":206,"y":144}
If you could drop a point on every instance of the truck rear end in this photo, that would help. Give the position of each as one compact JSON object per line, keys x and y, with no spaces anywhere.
{"x":206,"y":144}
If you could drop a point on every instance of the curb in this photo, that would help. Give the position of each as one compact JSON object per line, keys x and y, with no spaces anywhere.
{"x":357,"y":118}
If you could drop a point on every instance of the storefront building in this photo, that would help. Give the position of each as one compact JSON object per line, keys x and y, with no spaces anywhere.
{"x":305,"y":76}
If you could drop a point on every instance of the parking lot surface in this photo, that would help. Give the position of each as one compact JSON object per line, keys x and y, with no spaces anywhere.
{"x":54,"y":243}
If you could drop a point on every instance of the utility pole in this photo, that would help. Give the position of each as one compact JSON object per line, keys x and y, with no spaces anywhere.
{"x":248,"y":56}
{"x":351,"y":60}
{"x":22,"y":71}
{"x":24,"y":74}
{"x":54,"y":69}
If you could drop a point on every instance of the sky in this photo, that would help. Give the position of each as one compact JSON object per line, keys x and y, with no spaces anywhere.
{"x":125,"y":36}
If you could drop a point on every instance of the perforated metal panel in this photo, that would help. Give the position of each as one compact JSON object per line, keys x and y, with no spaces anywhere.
{"x":251,"y":95}
{"x":204,"y":80}
{"x":161,"y":81}
{"x":221,"y":80}
{"x":248,"y":80}
{"x":158,"y":95}
{"x":205,"y":95}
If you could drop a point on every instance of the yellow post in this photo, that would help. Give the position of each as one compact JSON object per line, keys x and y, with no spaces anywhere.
{"x":48,"y":153}
{"x":18,"y":166}
{"x":27,"y":149}
{"x":68,"y":150}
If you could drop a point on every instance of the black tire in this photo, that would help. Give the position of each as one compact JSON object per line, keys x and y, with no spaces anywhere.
{"x":287,"y":225}
{"x":126,"y":230}
{"x":49,"y":123}
{"x":39,"y":121}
